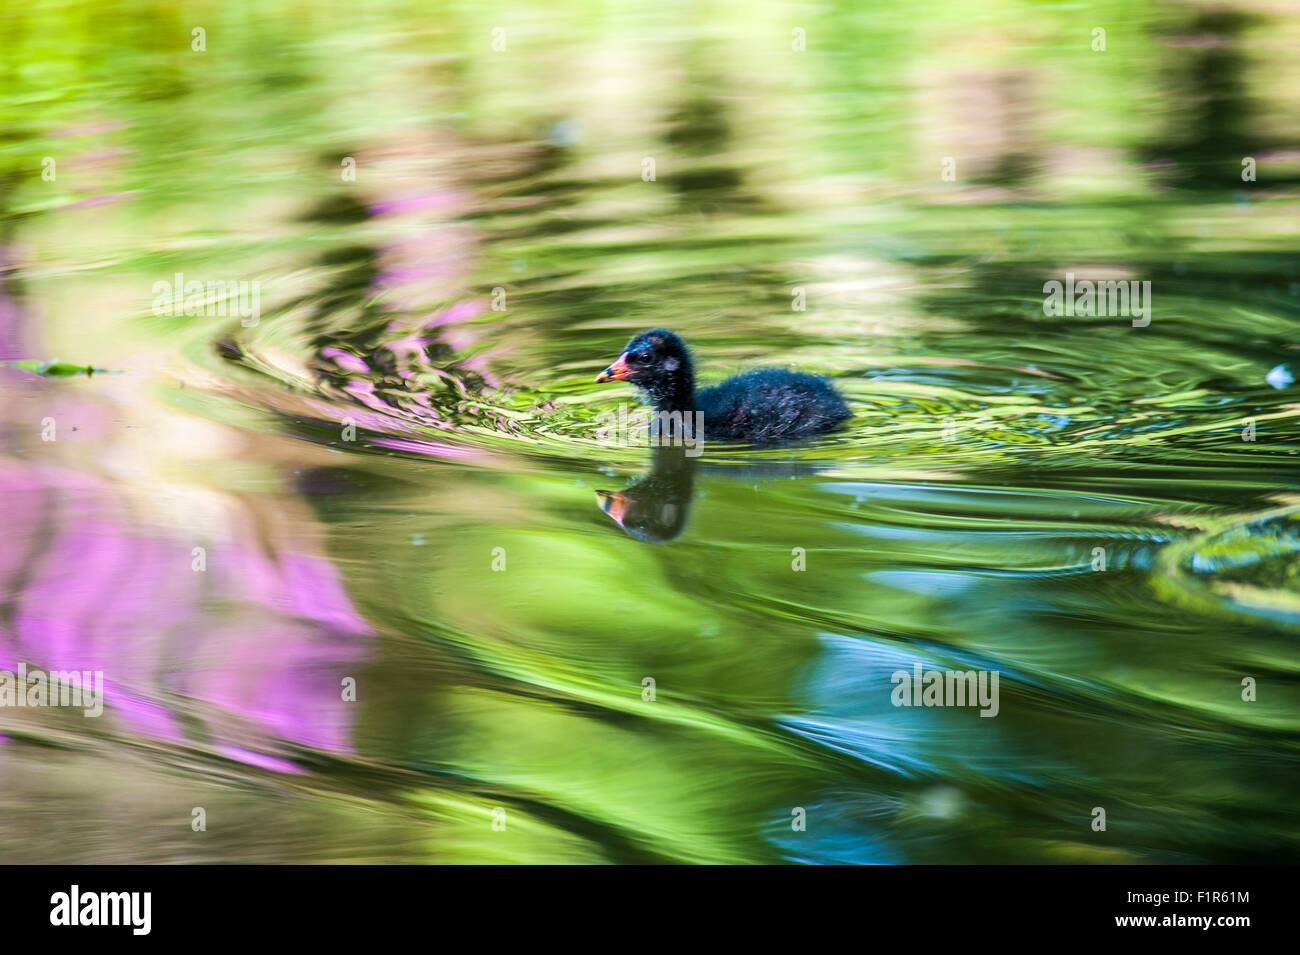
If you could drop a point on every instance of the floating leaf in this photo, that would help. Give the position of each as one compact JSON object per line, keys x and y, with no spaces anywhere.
{"x":56,"y":368}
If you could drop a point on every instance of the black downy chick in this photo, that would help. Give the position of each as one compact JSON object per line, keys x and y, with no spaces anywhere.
{"x":763,"y":406}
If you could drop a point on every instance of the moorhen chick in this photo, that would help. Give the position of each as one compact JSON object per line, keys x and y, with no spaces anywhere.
{"x":762,"y":406}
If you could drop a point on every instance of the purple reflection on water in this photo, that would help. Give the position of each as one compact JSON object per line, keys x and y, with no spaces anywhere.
{"x":255,"y":646}
{"x":242,"y":657}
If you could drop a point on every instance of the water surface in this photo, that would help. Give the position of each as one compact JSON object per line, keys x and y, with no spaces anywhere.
{"x":400,"y":477}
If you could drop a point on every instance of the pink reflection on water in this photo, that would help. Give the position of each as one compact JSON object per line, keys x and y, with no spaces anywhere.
{"x":346,"y":360}
{"x":254,"y":648}
{"x":245,"y":657}
{"x":433,"y":448}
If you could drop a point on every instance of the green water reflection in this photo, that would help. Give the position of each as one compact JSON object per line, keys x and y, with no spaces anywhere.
{"x":400,"y":475}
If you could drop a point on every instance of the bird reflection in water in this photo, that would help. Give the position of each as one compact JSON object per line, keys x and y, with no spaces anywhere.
{"x":655,"y":507}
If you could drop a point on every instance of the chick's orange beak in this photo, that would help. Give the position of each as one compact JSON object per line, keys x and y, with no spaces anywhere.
{"x":615,"y":372}
{"x":613,"y":503}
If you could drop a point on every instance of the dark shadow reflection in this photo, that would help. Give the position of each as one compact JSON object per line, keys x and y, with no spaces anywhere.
{"x":1211,"y":117}
{"x":656,"y":505}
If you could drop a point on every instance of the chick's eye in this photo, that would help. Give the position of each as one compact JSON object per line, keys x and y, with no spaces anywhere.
{"x":639,"y":358}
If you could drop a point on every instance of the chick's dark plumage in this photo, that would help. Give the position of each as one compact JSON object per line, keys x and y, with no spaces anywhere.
{"x":763,"y":406}
{"x":769,"y":404}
